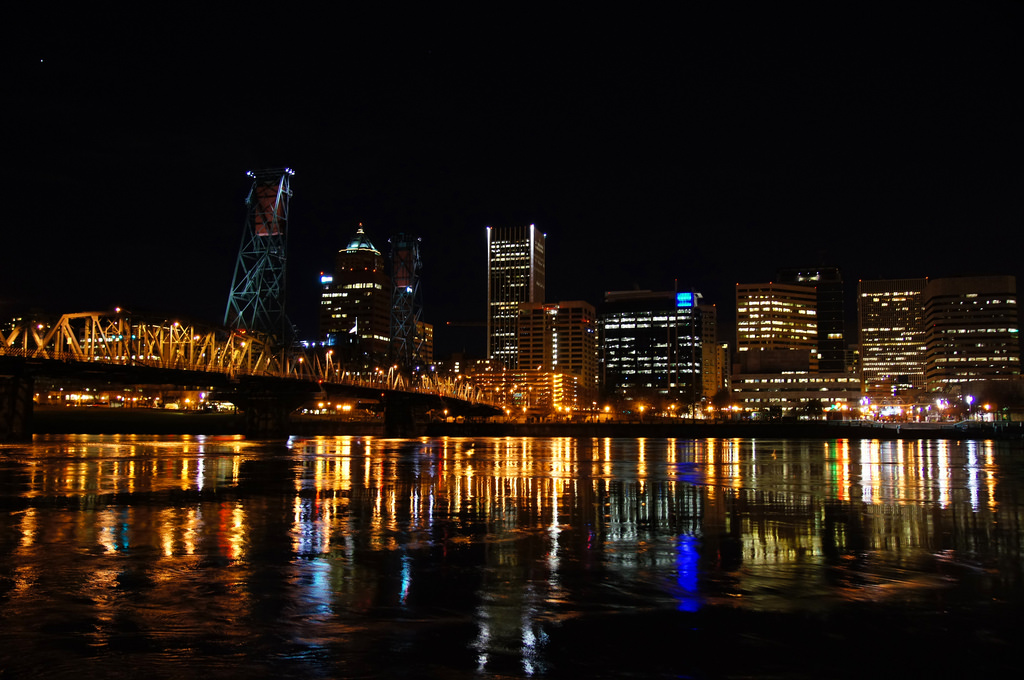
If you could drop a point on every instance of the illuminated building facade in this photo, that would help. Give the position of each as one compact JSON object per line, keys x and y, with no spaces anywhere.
{"x":560,"y":338}
{"x":515,"y":275}
{"x":777,"y":336}
{"x":713,"y":372}
{"x":789,"y":391}
{"x":530,"y":393}
{"x":425,"y":341}
{"x":830,"y":313}
{"x":776,"y":327}
{"x":892,"y":335}
{"x":355,"y":302}
{"x":972,"y":332}
{"x":651,"y":342}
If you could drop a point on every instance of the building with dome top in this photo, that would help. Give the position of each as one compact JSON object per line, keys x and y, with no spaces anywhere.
{"x":355,"y":303}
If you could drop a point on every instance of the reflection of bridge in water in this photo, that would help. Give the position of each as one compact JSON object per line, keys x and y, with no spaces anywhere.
{"x":245,"y":368}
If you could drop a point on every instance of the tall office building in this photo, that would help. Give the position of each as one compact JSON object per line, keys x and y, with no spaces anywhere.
{"x":828,"y":287}
{"x":972,"y":332}
{"x":515,"y":274}
{"x":713,"y":375}
{"x":425,"y":341}
{"x":778,"y":356}
{"x":560,"y":338}
{"x":892,"y":335}
{"x":776,"y":327}
{"x":652,"y":342}
{"x":355,"y":301}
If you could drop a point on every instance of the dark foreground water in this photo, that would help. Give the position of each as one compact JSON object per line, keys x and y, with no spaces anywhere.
{"x":348,"y":557}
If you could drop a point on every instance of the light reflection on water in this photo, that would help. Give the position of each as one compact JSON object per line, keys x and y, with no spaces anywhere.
{"x":358,"y":556}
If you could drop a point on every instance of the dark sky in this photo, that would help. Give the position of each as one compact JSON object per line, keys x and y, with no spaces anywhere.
{"x":708,"y":147}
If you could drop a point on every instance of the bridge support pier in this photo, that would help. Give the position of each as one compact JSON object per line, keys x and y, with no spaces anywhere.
{"x":16,"y":392}
{"x":398,"y":415}
{"x":266,"y":416}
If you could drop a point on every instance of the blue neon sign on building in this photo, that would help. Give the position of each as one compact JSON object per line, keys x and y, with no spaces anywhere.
{"x":684,"y":300}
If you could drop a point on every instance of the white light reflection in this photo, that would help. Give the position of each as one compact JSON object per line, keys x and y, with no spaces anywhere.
{"x":943,"y":473}
{"x":483,"y":639}
{"x":972,"y":473}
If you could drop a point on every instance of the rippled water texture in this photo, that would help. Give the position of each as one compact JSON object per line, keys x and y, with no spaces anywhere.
{"x":360,"y":557}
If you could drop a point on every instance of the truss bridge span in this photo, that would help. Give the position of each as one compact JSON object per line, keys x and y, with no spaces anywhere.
{"x":263,"y":379}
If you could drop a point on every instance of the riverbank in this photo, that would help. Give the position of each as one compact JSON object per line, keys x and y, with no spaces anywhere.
{"x":101,"y":420}
{"x":699,"y":429}
{"x":157,"y":421}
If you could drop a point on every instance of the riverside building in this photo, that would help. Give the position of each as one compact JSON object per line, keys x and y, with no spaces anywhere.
{"x":355,"y":302}
{"x":776,"y":324}
{"x":892,"y":335}
{"x":829,"y":313}
{"x":651,"y":344}
{"x":778,"y":367}
{"x":972,"y":331}
{"x":515,"y":275}
{"x":561,"y":338}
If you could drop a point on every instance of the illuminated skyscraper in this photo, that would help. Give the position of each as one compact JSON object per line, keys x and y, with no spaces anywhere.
{"x":560,"y":338}
{"x":355,"y":302}
{"x":778,"y":358}
{"x":651,"y":343}
{"x":776,"y":327}
{"x":972,"y":333}
{"x":828,"y":287}
{"x":515,"y":274}
{"x":892,"y":335}
{"x":713,"y":368}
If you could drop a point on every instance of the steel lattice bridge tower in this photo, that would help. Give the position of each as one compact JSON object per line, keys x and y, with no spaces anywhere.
{"x":406,"y":306}
{"x":257,"y":297}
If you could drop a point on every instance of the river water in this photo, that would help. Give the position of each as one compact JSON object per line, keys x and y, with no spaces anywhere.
{"x":357,"y":557}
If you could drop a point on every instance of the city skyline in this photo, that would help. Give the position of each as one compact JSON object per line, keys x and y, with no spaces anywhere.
{"x":711,"y":150}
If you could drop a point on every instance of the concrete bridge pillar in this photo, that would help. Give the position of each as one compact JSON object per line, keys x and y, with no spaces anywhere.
{"x":16,"y":392}
{"x":266,"y":416}
{"x":398,"y":415}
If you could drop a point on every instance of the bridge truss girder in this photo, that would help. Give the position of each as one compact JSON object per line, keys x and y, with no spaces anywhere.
{"x":120,"y":338}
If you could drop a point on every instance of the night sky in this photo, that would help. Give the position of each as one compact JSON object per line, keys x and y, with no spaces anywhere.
{"x":707,"y":148}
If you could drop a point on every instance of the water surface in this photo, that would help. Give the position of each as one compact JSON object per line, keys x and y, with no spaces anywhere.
{"x":167,"y":557}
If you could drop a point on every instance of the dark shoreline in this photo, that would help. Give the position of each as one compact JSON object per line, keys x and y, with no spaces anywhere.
{"x":157,"y":422}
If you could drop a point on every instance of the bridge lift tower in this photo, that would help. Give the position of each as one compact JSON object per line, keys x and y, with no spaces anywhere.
{"x":406,"y":305}
{"x":256,"y":300}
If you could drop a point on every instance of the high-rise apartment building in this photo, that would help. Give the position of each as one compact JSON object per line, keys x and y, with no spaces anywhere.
{"x":355,"y":301}
{"x":776,"y":327}
{"x":830,"y":313}
{"x":515,"y":274}
{"x":560,"y":338}
{"x":892,"y":335}
{"x":652,"y":342}
{"x":971,"y":330}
